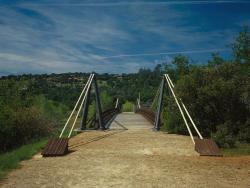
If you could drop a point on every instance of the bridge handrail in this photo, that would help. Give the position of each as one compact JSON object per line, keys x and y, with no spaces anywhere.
{"x":148,"y":113}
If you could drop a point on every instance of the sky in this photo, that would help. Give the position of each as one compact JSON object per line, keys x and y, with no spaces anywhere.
{"x":57,"y":36}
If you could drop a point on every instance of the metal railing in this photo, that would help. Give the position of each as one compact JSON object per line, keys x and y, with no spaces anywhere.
{"x":148,"y":113}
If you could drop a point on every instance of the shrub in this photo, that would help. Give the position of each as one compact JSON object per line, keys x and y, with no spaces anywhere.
{"x":223,"y":136}
{"x":128,"y":107}
{"x":21,"y":126}
{"x":50,"y":110}
{"x":244,"y":132}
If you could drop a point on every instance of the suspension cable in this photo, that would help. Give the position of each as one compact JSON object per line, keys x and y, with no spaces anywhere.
{"x":183,"y":116}
{"x":157,"y":93}
{"x":75,"y":107}
{"x":117,"y":102}
{"x":190,"y":118}
{"x":138,"y":103}
{"x":86,"y":93}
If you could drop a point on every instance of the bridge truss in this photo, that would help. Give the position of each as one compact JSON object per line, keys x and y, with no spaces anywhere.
{"x":205,"y":147}
{"x":100,"y":120}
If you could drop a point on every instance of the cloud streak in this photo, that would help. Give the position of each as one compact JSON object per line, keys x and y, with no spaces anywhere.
{"x":138,"y":3}
{"x":111,"y":37}
{"x":166,"y":53}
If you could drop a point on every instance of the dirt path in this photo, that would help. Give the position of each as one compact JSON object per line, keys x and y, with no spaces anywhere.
{"x":137,"y":157}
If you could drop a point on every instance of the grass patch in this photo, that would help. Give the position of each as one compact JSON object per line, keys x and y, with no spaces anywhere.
{"x":10,"y":160}
{"x":240,"y":149}
{"x":128,"y":107}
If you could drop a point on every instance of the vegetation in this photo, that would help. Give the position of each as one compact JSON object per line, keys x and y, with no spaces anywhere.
{"x":27,"y":119}
{"x":240,"y":149}
{"x":128,"y":107}
{"x":217,"y":95}
{"x":11,"y":159}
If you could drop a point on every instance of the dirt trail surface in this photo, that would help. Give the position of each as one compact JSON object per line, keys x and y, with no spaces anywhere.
{"x":128,"y":155}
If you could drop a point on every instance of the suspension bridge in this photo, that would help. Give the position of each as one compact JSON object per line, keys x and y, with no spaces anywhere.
{"x":114,"y":149}
{"x":103,"y":119}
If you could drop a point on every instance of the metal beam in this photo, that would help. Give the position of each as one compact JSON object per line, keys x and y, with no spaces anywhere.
{"x":98,"y":105}
{"x":182,"y":114}
{"x":85,"y":111}
{"x":159,"y":107}
{"x":117,"y":103}
{"x":84,"y":89}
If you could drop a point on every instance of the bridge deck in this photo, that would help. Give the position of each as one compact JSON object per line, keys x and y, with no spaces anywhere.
{"x":130,"y":154}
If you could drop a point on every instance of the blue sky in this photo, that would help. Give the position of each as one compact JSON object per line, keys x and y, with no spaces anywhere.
{"x":113,"y":36}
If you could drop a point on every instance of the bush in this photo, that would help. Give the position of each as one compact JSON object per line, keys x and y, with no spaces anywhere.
{"x":128,"y":107}
{"x":50,"y":110}
{"x":21,"y":126}
{"x":244,"y":132}
{"x":10,"y":160}
{"x":224,"y":137}
{"x":172,"y":119}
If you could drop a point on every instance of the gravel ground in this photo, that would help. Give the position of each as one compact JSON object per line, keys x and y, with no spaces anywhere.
{"x":128,"y":155}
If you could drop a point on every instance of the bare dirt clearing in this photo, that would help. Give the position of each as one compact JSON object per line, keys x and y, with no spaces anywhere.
{"x":136,"y":157}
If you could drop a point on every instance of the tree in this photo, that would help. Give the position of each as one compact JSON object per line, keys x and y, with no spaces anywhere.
{"x":241,"y":47}
{"x":182,"y":65}
{"x":216,"y":60}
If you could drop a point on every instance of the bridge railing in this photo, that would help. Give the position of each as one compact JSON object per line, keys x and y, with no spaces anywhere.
{"x":147,"y":112}
{"x":108,"y":114}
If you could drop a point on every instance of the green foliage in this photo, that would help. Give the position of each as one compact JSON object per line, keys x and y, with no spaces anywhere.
{"x":106,"y":99}
{"x":24,"y":116}
{"x":11,"y":159}
{"x":239,"y":149}
{"x":214,"y":98}
{"x":128,"y":107}
{"x":244,"y":132}
{"x":224,"y":136}
{"x":241,"y":47}
{"x":182,"y":65}
{"x":22,"y":125}
{"x":50,"y":110}
{"x":216,"y":94}
{"x":128,"y":86}
{"x":216,"y":60}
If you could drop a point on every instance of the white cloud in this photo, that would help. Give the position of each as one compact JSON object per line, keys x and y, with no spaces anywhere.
{"x":14,"y":57}
{"x":129,"y":3}
{"x":80,"y":38}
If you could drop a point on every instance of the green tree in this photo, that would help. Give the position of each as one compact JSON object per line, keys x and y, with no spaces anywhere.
{"x":182,"y":65}
{"x":216,"y":60}
{"x":241,"y":46}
